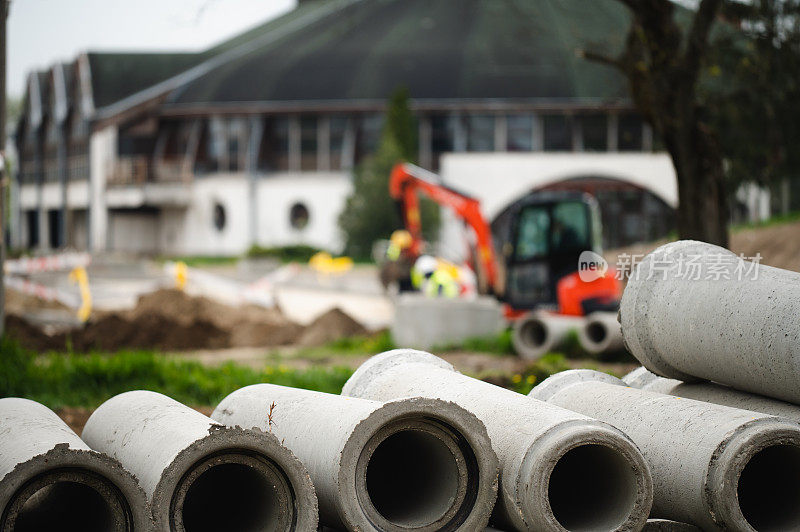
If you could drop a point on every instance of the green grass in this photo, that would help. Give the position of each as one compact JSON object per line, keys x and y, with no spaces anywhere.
{"x":196,"y":261}
{"x":775,"y":220}
{"x":497,"y":344}
{"x":60,"y":379}
{"x":297,"y":253}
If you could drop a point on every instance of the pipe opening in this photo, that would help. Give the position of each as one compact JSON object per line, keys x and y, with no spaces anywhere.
{"x":596,"y":332}
{"x":413,"y":479}
{"x":68,"y":500}
{"x":234,"y":493}
{"x":769,"y":489}
{"x":533,"y":333}
{"x":592,"y":487}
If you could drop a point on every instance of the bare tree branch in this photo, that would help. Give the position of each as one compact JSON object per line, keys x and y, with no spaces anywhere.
{"x":600,"y":58}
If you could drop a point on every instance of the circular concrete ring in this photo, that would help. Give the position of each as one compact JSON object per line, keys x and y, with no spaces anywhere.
{"x":54,"y":489}
{"x":418,"y":464}
{"x":235,"y":479}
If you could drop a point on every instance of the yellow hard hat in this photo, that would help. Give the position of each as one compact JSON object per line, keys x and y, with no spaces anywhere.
{"x":401,"y":238}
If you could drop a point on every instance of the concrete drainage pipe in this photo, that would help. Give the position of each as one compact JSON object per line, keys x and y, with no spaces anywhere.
{"x":408,"y":465}
{"x":51,"y":480}
{"x":693,"y":311}
{"x":713,"y":466}
{"x":199,"y":475}
{"x":601,"y":333}
{"x":538,"y":333}
{"x":560,"y":470}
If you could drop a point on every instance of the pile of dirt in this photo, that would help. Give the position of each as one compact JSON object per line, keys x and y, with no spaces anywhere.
{"x":167,"y":319}
{"x":18,"y":303}
{"x":330,"y":326}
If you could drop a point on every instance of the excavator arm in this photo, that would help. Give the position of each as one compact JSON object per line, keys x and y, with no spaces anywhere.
{"x":407,"y":181}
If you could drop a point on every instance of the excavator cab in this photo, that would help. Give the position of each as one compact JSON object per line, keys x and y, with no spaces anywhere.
{"x":543,"y":236}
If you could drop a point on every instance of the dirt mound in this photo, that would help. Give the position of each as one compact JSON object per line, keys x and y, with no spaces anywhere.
{"x":330,"y":326}
{"x":168,"y":320}
{"x":19,"y":303}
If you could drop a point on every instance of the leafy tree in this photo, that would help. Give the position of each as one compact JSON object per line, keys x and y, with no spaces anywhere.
{"x":370,"y":213}
{"x":663,"y":60}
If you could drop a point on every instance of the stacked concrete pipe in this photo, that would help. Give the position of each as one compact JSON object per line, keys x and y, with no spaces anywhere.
{"x":200,"y":475}
{"x":709,"y":392}
{"x":538,"y":333}
{"x":716,"y":467}
{"x":51,"y":480}
{"x":601,"y":333}
{"x":559,"y":470}
{"x":409,"y":465}
{"x":693,"y":311}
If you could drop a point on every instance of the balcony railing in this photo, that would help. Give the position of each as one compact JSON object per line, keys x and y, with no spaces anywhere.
{"x":141,"y":170}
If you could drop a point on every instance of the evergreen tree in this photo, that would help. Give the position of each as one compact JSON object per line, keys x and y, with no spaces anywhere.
{"x":370,"y":214}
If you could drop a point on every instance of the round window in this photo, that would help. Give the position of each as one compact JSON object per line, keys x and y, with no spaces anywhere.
{"x":219,"y":217}
{"x":298,"y":216}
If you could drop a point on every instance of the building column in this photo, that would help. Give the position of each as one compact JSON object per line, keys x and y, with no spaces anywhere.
{"x":647,"y":137}
{"x":576,"y":127}
{"x":459,"y":133}
{"x":102,"y":157}
{"x":425,"y":139}
{"x":500,"y":133}
{"x":63,"y":179}
{"x":324,"y":143}
{"x":294,"y":143}
{"x":612,"y":131}
{"x":349,"y":145}
{"x":537,"y":144}
{"x":254,"y":144}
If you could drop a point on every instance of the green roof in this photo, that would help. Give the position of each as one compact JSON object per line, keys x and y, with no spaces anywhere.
{"x":116,"y":75}
{"x":439,"y":49}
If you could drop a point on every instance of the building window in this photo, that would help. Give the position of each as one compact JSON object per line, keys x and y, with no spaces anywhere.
{"x":480,"y":132}
{"x":629,"y":133}
{"x":308,"y":143}
{"x":220,"y":217}
{"x":299,"y":216}
{"x":594,"y":128}
{"x":520,"y":133}
{"x":368,"y":135}
{"x":338,"y":131}
{"x":557,"y":133}
{"x":442,"y":136}
{"x":236,"y":143}
{"x":273,"y":155}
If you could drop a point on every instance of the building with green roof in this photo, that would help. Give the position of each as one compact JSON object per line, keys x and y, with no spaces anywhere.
{"x":211,"y":152}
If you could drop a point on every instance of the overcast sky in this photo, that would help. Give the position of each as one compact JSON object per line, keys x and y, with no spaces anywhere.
{"x":42,"y":32}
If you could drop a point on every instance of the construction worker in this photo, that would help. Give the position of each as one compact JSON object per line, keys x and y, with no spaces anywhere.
{"x":434,"y":278}
{"x":398,"y":261}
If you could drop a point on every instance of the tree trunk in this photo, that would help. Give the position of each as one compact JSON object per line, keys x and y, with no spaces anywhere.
{"x":702,"y":201}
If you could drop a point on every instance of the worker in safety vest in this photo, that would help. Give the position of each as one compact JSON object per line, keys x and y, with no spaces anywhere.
{"x":399,"y":262}
{"x":433,"y":278}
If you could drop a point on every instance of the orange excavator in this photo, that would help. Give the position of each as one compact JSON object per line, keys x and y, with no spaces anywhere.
{"x":540,"y":239}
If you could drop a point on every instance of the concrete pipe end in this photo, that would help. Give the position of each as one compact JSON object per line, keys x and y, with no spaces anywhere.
{"x":753,"y":481}
{"x":554,"y":384}
{"x":637,"y":297}
{"x":247,"y":473}
{"x":359,"y":382}
{"x":44,"y":492}
{"x":585,"y":476}
{"x":531,"y":337}
{"x":418,"y":464}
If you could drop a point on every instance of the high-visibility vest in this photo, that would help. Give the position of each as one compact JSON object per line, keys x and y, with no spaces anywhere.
{"x":441,"y":284}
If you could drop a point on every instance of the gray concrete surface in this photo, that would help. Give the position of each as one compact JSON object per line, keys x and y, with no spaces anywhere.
{"x":664,"y":525}
{"x":682,"y":319}
{"x":538,"y":333}
{"x":601,"y":333}
{"x":51,"y":480}
{"x":414,"y":464}
{"x":716,"y":467}
{"x":559,"y":470}
{"x":424,"y":322}
{"x":711,"y":393}
{"x":198,"y":474}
